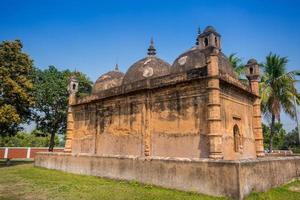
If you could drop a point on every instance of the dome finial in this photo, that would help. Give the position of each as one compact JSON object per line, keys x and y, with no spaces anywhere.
{"x":117,"y":67}
{"x":151,"y":49}
{"x":198,"y":35}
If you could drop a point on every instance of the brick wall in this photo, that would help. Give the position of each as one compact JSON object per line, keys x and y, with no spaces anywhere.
{"x":23,"y":152}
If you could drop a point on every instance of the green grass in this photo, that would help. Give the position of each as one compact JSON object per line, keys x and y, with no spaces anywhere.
{"x":289,"y":191}
{"x":27,"y":182}
{"x":23,"y":181}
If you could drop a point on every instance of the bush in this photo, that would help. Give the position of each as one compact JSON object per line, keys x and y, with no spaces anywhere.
{"x":23,"y":139}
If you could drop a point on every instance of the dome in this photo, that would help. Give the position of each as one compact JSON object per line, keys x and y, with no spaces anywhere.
{"x":108,"y":80}
{"x":225,"y":65}
{"x":252,"y":61}
{"x":193,"y":58}
{"x":209,"y":29}
{"x":148,"y":67}
{"x":197,"y":58}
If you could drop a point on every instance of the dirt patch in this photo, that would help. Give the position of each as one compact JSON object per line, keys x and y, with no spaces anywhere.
{"x":294,"y":188}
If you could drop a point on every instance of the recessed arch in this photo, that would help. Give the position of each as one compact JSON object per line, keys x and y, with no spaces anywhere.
{"x":216,"y":42}
{"x":236,"y":138}
{"x":251,"y":70}
{"x":206,"y":42}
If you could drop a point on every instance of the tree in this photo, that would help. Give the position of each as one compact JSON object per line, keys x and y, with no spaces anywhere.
{"x":279,"y":136}
{"x":52,"y":99}
{"x":237,"y":65}
{"x":16,"y":77}
{"x":277,"y":90}
{"x":24,"y":139}
{"x":292,"y":140}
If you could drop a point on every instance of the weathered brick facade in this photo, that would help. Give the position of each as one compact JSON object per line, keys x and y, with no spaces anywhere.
{"x":196,"y":108}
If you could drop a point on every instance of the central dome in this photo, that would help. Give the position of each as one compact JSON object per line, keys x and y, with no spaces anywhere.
{"x":148,"y":67}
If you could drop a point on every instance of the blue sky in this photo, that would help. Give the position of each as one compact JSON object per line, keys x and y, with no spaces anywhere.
{"x":92,"y":36}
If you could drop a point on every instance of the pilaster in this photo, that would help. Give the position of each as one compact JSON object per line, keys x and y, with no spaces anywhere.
{"x":257,"y":127}
{"x":147,"y":125}
{"x":214,"y":107}
{"x":252,"y":73}
{"x":70,"y":125}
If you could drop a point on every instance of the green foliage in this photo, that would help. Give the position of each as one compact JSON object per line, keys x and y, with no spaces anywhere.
{"x":277,"y":90}
{"x":38,"y":133}
{"x":277,"y":87}
{"x":292,"y":141}
{"x":52,"y":99}
{"x":16,"y":75}
{"x":85,"y":85}
{"x":278,"y":138}
{"x":23,"y":139}
{"x":238,"y":66}
{"x":281,"y":139}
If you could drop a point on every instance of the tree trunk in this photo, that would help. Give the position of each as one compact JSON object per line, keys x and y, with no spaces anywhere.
{"x":272,"y":133}
{"x":52,"y":142}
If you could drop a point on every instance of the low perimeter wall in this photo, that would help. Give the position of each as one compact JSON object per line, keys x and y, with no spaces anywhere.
{"x":235,"y":179}
{"x":23,"y":152}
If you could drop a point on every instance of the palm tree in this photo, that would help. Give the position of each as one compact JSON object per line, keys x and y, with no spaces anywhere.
{"x":277,"y":90}
{"x":237,"y":65}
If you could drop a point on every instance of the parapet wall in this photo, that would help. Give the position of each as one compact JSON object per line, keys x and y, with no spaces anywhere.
{"x":235,"y":179}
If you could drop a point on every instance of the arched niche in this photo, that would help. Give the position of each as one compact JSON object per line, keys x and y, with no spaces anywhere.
{"x":236,"y":138}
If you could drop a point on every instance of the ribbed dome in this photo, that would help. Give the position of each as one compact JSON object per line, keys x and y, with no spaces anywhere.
{"x":148,"y":67}
{"x":196,"y":58}
{"x":108,"y":80}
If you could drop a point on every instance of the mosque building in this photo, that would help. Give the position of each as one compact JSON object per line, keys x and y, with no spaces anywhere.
{"x":195,"y":108}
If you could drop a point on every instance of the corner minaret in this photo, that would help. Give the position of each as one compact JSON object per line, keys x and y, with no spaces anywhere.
{"x":208,"y":38}
{"x":252,"y":73}
{"x":73,"y":86}
{"x":72,"y":89}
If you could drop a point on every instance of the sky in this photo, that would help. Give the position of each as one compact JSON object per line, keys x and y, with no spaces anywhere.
{"x":92,"y":36}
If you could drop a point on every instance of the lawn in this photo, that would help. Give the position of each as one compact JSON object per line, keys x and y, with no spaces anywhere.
{"x":23,"y":181}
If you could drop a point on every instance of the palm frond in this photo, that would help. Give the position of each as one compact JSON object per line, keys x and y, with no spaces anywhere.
{"x":277,"y":87}
{"x":237,"y":65}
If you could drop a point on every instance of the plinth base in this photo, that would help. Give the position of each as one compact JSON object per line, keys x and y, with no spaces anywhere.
{"x":235,"y":179}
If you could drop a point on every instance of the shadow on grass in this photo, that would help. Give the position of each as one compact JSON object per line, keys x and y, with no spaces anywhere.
{"x":10,"y":163}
